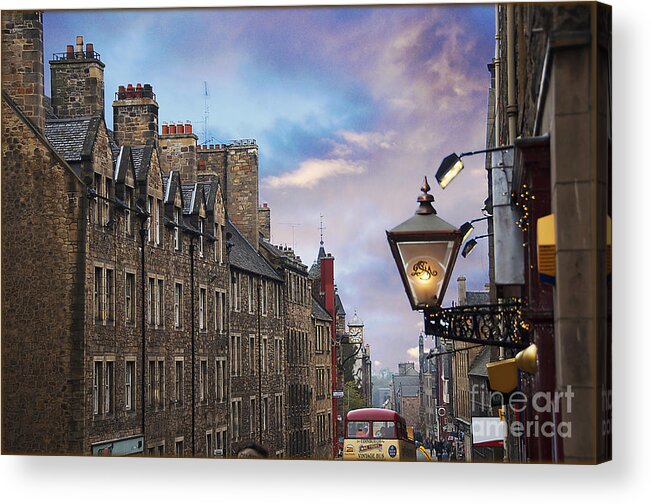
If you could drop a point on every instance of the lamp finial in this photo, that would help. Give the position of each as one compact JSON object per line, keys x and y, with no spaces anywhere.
{"x":425,"y":200}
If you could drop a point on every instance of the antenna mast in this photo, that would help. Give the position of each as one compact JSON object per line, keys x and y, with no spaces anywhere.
{"x":206,"y":112}
{"x":321,"y":228}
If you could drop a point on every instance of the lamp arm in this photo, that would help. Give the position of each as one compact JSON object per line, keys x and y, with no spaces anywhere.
{"x":482,"y":151}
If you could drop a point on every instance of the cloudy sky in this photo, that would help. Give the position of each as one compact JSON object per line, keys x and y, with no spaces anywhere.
{"x":350,"y":107}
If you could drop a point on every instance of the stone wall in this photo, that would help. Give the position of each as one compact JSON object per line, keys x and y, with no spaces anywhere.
{"x":22,"y":62}
{"x":77,"y":86}
{"x":179,"y":152}
{"x":42,"y":281}
{"x":242,"y":190}
{"x":135,"y":120}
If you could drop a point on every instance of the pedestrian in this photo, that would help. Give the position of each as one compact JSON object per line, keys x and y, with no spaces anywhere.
{"x":253,"y":450}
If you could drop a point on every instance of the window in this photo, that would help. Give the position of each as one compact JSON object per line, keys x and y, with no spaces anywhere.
{"x":98,"y":294}
{"x":252,"y":420}
{"x":220,"y":311}
{"x":150,"y":221}
{"x":218,"y":244}
{"x":105,"y":202}
{"x":201,"y":237}
{"x":128,"y":202}
{"x":263,"y":297}
{"x":178,"y":380}
{"x":202,"y":309}
{"x":278,"y":411}
{"x":130,"y":298}
{"x":110,"y":289}
{"x":235,"y":355}
{"x":220,"y":441}
{"x":157,"y":221}
{"x":160,"y":390}
{"x":265,"y":355}
{"x":250,"y":293}
{"x":178,"y":447}
{"x":203,"y":380}
{"x":265,"y":413}
{"x":156,"y":384}
{"x":98,"y":376}
{"x":160,"y":304}
{"x":208,"y":443}
{"x":278,"y":299}
{"x":97,"y":205}
{"x":156,"y":302}
{"x":103,"y":295}
{"x":220,"y":379}
{"x":129,"y":385}
{"x":278,"y":346}
{"x":251,"y":354}
{"x":235,"y":291}
{"x":178,"y":305}
{"x":103,"y":387}
{"x":177,"y":230}
{"x":319,"y":339}
{"x":236,"y":414}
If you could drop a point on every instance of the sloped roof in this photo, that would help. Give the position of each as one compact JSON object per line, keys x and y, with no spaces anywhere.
{"x":339,"y":306}
{"x":408,"y":390}
{"x":315,"y":270}
{"x":477,"y":297}
{"x":478,"y":367}
{"x":68,"y":136}
{"x":243,"y":256}
{"x":319,"y":312}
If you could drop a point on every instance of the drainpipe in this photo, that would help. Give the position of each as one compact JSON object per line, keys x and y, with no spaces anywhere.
{"x":498,"y":65}
{"x":143,"y":333}
{"x":192,"y":246}
{"x":512,"y":106}
{"x":260,"y":363}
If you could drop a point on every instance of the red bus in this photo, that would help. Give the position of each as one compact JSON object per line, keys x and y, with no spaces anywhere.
{"x":377,"y":434}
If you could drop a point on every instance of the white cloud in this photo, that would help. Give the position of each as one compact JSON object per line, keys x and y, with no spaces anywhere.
{"x":369,"y":140}
{"x":412,"y":353}
{"x":311,"y":171}
{"x":377,"y":363}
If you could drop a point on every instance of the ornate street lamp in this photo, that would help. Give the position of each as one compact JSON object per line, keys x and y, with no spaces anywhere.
{"x":425,"y":248}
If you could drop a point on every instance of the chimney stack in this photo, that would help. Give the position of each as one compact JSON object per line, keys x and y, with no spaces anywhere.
{"x":22,"y":62}
{"x":135,"y":115}
{"x":77,"y":82}
{"x":461,"y":290}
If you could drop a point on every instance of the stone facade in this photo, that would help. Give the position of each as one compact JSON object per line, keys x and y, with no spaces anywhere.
{"x":135,"y":115}
{"x":558,"y":62}
{"x":77,"y":79}
{"x":42,"y":291}
{"x":22,"y":63}
{"x":163,"y":327}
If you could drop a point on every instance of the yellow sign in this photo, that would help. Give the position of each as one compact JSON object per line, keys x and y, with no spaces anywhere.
{"x":378,"y":449}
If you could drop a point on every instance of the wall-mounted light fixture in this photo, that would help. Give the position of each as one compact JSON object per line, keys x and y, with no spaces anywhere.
{"x":452,"y":164}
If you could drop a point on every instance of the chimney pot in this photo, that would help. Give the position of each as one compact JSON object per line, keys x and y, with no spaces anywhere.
{"x":166,"y":129}
{"x":188,"y":127}
{"x":70,"y":52}
{"x":172,"y":128}
{"x":179,"y":128}
{"x":89,"y":51}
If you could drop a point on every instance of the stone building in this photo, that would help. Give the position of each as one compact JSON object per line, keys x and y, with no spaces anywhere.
{"x":405,"y":394}
{"x":168,"y":324}
{"x":137,"y":273}
{"x":551,"y":100}
{"x":463,"y":358}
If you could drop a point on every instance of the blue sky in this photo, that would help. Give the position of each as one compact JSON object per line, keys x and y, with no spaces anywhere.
{"x":350,"y":108}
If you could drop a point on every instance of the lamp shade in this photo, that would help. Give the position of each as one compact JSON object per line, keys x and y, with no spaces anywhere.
{"x":466,"y":229}
{"x":469,"y":247}
{"x":450,"y":168}
{"x":425,"y":248}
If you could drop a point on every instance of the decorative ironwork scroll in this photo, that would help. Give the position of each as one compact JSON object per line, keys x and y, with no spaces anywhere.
{"x":494,"y":324}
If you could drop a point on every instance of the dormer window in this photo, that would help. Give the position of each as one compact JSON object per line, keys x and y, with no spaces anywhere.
{"x":150,"y":210}
{"x":128,"y":201}
{"x":218,"y":243}
{"x":177,"y":229}
{"x":97,"y":210}
{"x":201,"y":230}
